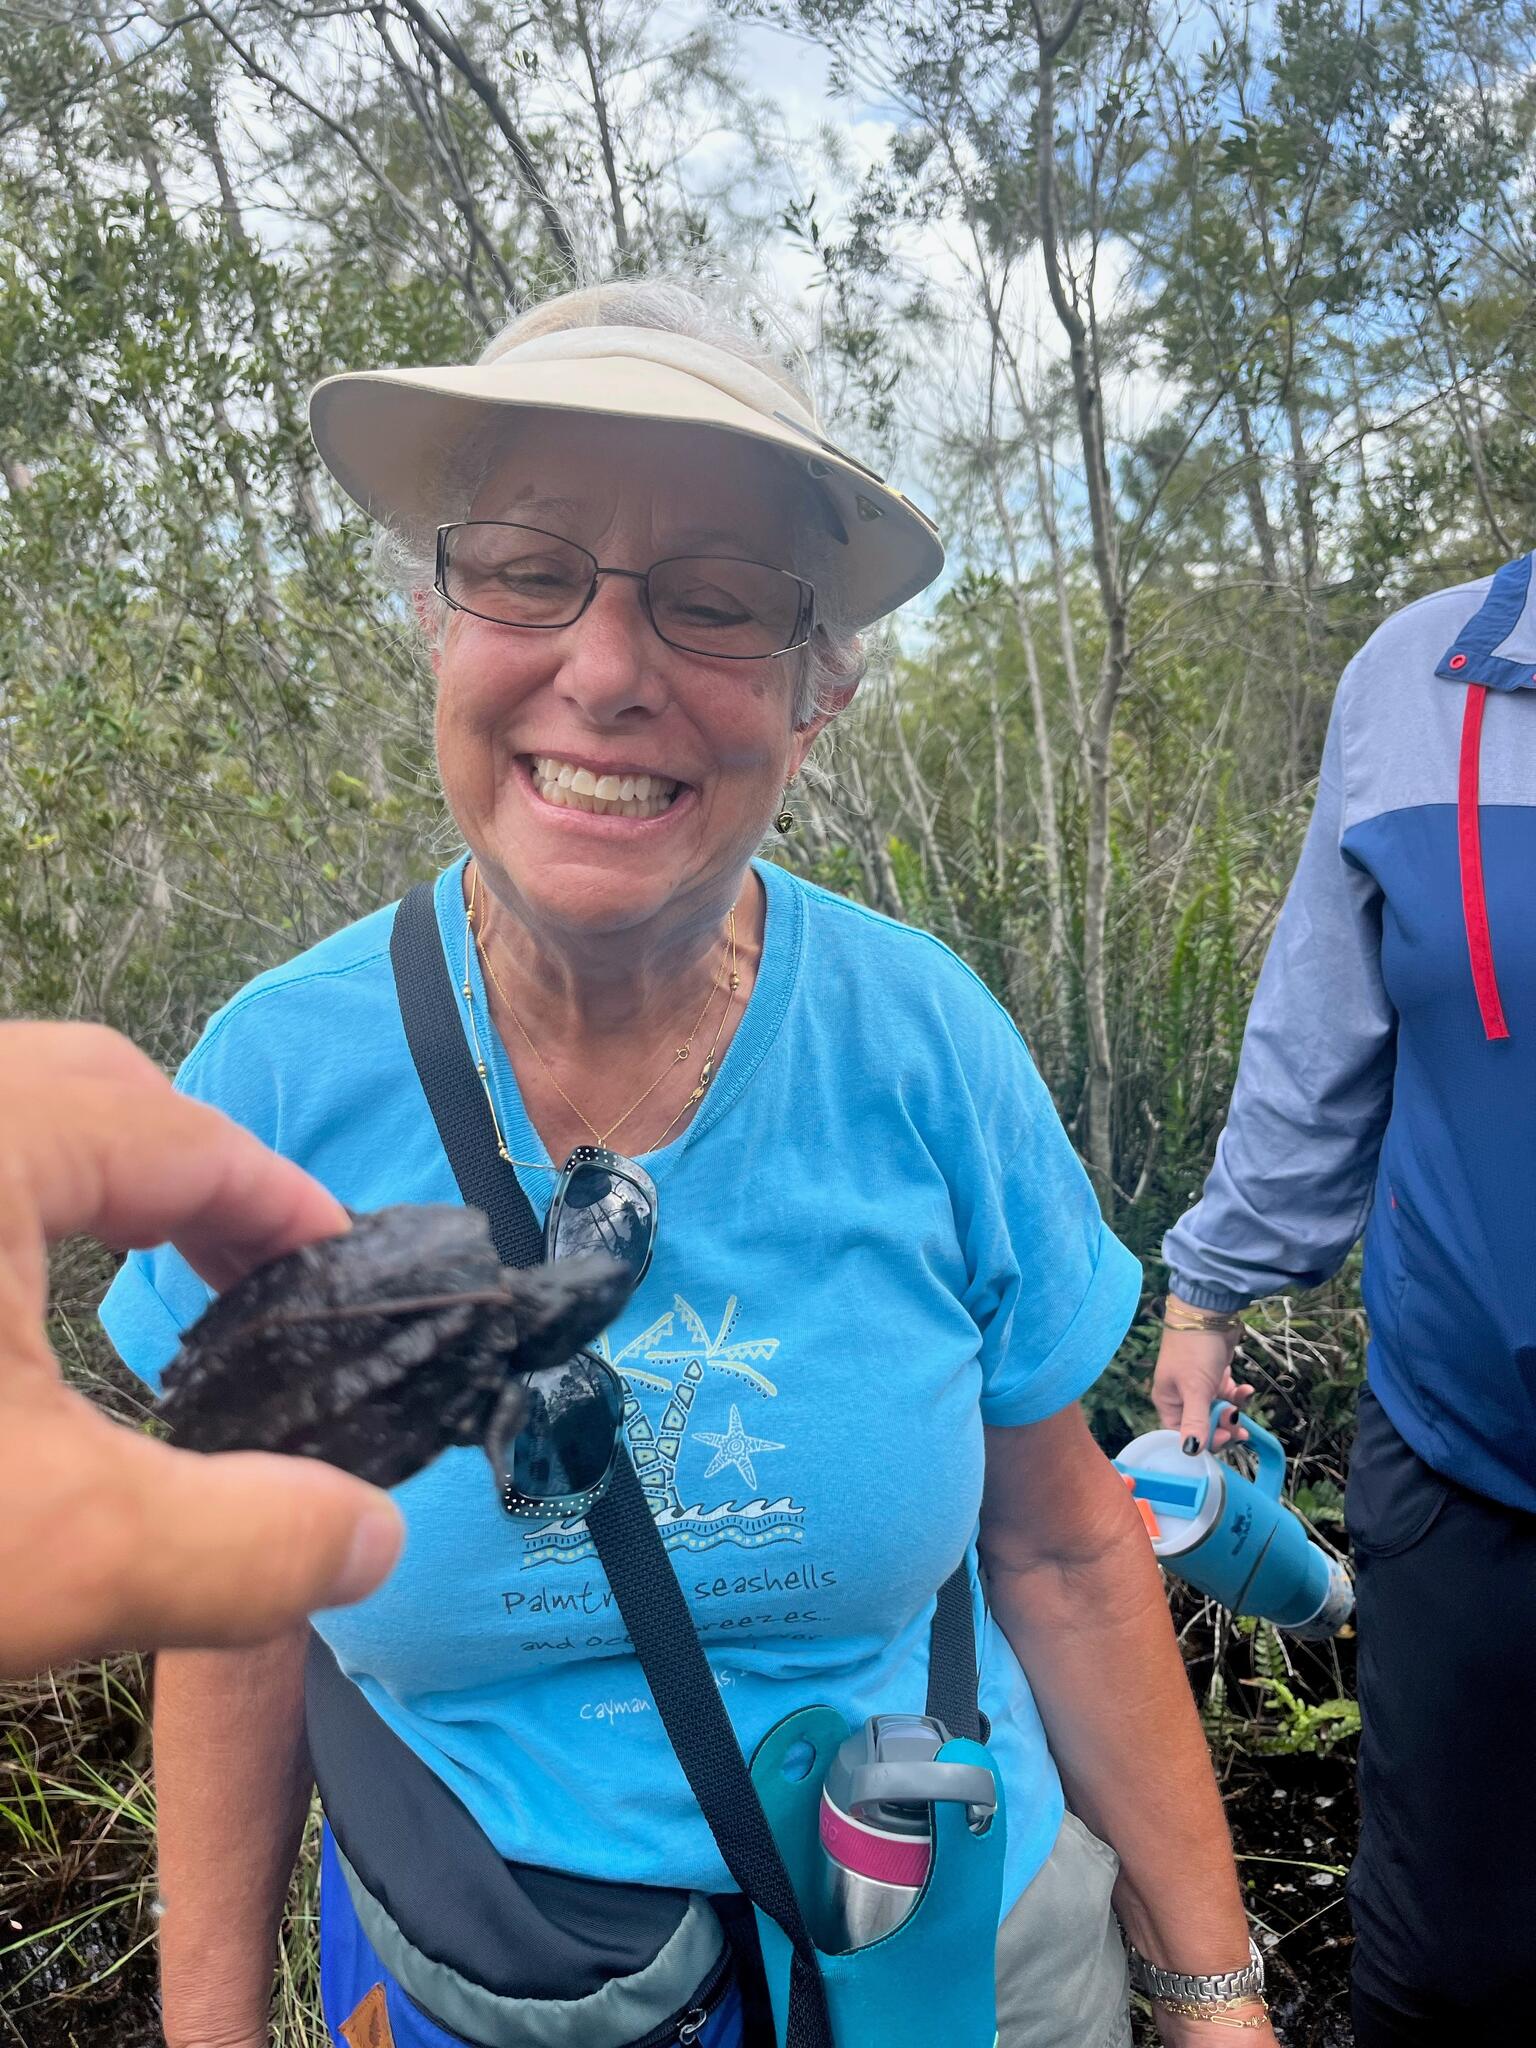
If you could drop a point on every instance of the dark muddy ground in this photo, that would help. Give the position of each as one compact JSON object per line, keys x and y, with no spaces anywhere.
{"x":74,"y":1863}
{"x":120,"y":2009}
{"x":1294,"y":1823}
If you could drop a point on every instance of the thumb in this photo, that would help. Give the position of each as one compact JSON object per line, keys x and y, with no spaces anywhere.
{"x":238,"y":1547}
{"x":1195,"y":1415}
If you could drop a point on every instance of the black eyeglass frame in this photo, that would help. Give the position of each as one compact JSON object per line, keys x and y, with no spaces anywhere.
{"x":561,"y":1507}
{"x":805,"y":616}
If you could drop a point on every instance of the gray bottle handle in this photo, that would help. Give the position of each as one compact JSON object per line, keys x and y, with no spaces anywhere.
{"x":920,"y":1784}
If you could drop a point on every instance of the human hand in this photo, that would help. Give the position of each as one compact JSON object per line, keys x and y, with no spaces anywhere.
{"x":1193,"y":1372}
{"x":109,"y":1539}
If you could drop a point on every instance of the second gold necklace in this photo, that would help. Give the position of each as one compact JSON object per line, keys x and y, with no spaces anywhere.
{"x":728,"y":959}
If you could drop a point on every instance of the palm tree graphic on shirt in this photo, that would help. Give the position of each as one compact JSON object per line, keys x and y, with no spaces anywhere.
{"x":682,"y":1371}
{"x":674,"y":1356}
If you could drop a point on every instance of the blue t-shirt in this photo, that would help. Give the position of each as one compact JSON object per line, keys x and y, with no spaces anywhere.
{"x":873,"y":1238}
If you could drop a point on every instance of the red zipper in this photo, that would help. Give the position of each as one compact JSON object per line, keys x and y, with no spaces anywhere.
{"x":1474,"y":900}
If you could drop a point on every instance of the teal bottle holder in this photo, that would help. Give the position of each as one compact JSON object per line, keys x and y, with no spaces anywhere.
{"x":933,"y":1978}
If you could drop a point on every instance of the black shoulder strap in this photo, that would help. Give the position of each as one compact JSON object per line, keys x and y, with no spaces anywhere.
{"x":429,"y":1010}
{"x":952,"y":1676}
{"x":628,"y":1544}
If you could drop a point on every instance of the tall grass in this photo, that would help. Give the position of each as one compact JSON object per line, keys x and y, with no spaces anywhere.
{"x":77,"y":1871}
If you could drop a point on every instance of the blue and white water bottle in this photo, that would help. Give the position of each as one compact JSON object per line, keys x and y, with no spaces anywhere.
{"x":1233,"y":1538}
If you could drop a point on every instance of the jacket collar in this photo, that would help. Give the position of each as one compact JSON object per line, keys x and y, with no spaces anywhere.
{"x":1482,"y":650}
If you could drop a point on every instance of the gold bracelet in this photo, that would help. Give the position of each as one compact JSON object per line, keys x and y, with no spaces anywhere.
{"x":1184,"y":1315}
{"x":1220,"y":2012}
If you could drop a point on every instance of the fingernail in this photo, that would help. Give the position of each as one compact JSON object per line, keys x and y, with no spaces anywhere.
{"x":1233,"y":1419}
{"x":376,"y":1546}
{"x":1191,"y":1445}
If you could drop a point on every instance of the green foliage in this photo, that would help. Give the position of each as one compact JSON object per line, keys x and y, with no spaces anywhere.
{"x":1304,"y":1727}
{"x":1275,"y":1718}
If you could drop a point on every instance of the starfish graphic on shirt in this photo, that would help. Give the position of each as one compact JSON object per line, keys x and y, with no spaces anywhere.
{"x":736,"y":1447}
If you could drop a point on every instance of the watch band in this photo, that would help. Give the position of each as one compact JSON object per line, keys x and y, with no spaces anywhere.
{"x":1215,"y":1989}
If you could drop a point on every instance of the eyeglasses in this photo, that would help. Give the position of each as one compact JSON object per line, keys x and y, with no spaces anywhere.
{"x":568,"y":1446}
{"x":723,"y":606}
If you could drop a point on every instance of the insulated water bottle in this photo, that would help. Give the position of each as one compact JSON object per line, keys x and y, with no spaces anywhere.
{"x":1234,"y":1539}
{"x":876,"y":1822}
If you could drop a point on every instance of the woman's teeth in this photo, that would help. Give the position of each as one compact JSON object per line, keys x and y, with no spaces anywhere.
{"x":615,"y":796}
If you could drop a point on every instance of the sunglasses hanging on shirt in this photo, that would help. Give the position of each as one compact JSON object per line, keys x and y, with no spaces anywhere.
{"x":561,"y":1461}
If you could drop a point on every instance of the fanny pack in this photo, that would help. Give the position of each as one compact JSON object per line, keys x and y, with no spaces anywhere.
{"x":504,"y":1956}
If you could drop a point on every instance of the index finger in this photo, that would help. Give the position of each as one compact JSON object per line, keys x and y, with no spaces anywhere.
{"x":109,"y":1147}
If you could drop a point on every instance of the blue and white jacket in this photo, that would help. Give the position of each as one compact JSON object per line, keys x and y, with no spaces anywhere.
{"x":1388,"y":1072}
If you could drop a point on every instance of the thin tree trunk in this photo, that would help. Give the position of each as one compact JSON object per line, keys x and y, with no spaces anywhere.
{"x":1114,"y":670}
{"x":1045,"y":497}
{"x":205,"y":123}
{"x":229,"y":439}
{"x":252,"y":66}
{"x":1362,"y":425}
{"x":1004,"y":352}
{"x":1306,"y":514}
{"x":438,"y":137}
{"x":1253,"y":492}
{"x":922,"y":811}
{"x":1045,"y":762}
{"x":874,"y":852}
{"x":999,"y":784}
{"x":443,"y":39}
{"x":1471,"y":435}
{"x":604,"y":132}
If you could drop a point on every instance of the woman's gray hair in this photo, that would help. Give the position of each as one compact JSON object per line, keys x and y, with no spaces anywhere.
{"x":833,"y":661}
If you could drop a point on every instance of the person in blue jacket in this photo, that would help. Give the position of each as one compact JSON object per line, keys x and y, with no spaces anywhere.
{"x":1388,"y":1085}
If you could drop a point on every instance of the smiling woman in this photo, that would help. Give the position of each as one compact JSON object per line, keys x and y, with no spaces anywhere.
{"x":872,"y":1280}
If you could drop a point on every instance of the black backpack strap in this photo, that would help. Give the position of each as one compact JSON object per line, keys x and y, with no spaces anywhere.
{"x":429,"y":1010}
{"x":952,"y":1677}
{"x":629,"y":1545}
{"x":655,"y":1611}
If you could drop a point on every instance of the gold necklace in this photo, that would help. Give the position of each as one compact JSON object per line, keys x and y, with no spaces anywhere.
{"x":728,"y":958}
{"x":708,"y":1072}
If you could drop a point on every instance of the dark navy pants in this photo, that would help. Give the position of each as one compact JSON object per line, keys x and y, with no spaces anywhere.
{"x":1443,"y":1889}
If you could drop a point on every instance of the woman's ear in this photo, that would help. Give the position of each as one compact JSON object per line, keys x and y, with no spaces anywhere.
{"x":842,"y":668}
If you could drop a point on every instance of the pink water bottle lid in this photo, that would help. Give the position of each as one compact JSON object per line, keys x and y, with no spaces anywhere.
{"x":872,"y":1852}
